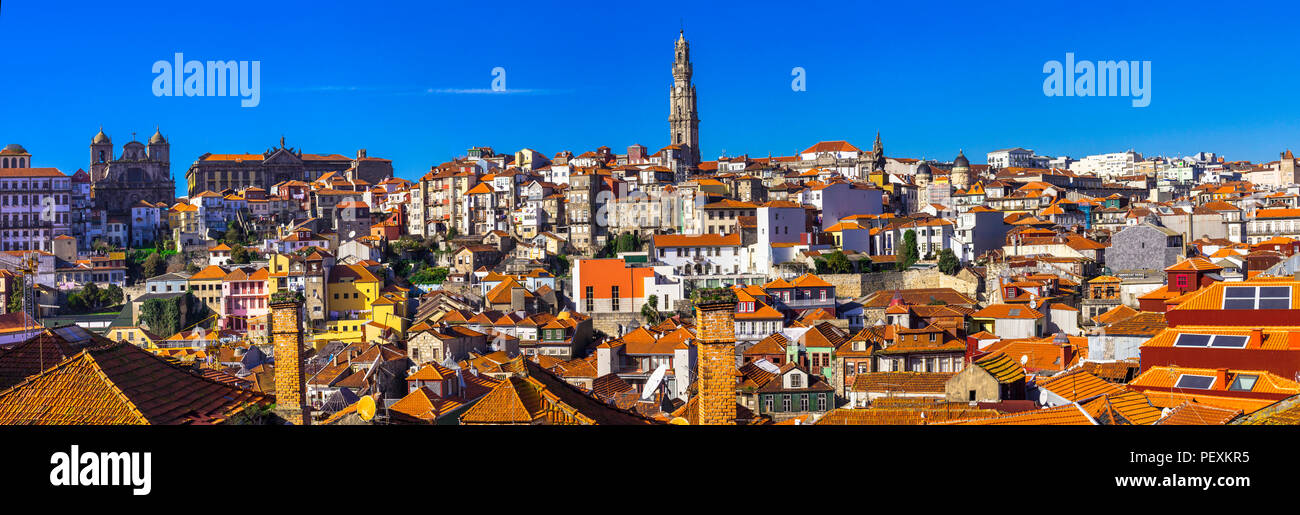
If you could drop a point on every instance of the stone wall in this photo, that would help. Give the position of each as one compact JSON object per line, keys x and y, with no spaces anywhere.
{"x":608,"y":322}
{"x":858,"y":285}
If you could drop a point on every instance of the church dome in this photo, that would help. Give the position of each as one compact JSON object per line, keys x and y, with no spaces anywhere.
{"x":100,"y":138}
{"x":157,"y":138}
{"x":923,"y":170}
{"x":961,"y":160}
{"x":14,"y":148}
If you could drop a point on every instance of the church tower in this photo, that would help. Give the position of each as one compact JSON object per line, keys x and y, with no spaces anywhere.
{"x":101,"y":153}
{"x":961,"y":177}
{"x":683,"y":120}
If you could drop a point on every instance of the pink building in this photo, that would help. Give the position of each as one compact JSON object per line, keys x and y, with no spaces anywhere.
{"x":244,"y":301}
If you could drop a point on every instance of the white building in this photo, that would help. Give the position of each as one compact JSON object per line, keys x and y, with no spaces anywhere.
{"x":1008,"y":157}
{"x":977,"y":231}
{"x":1107,"y":165}
{"x":34,"y":207}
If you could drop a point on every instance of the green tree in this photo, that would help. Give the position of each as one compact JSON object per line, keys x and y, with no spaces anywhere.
{"x":650,"y":310}
{"x":429,"y":275}
{"x":152,"y":266}
{"x":90,"y":296}
{"x":16,"y":296}
{"x":163,"y":316}
{"x":907,"y":253}
{"x":838,"y":263}
{"x":561,"y":265}
{"x":948,"y":263}
{"x":240,"y":255}
{"x":627,"y":242}
{"x":234,"y":233}
{"x":111,"y":296}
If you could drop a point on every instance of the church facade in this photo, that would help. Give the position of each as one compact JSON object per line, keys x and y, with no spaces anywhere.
{"x":217,"y":172}
{"x":140,"y":172}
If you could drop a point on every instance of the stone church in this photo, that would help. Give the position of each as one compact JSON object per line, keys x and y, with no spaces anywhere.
{"x":139,"y":173}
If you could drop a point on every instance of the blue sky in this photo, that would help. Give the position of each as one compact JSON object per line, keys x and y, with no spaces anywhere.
{"x":932,"y":78}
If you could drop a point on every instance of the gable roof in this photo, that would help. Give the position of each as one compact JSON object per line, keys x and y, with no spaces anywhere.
{"x":119,"y":384}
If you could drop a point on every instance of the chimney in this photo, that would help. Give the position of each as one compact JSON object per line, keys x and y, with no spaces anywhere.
{"x":715,"y":322}
{"x":1221,"y":379}
{"x":1256,"y":339}
{"x":1067,"y":354}
{"x":286,"y":336}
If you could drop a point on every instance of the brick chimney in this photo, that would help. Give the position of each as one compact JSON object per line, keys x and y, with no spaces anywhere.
{"x":290,"y":390}
{"x":1221,"y":379}
{"x":1067,"y":354}
{"x":715,"y":325}
{"x":1256,"y":338}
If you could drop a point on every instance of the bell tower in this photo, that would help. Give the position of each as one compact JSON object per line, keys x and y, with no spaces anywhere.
{"x":683,"y":120}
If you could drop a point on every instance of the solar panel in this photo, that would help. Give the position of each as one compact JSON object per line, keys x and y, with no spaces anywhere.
{"x":1257,"y":297}
{"x":1195,"y":382}
{"x":1192,"y":340}
{"x":1013,"y":312}
{"x":1233,"y":292}
{"x":1275,"y":291}
{"x":1231,"y":342}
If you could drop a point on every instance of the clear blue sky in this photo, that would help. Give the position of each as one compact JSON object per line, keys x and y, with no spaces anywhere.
{"x":932,"y":78}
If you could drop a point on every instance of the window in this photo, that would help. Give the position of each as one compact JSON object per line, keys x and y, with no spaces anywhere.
{"x":767,"y":404}
{"x":1257,"y":297}
{"x":796,"y":381}
{"x":821,"y":403}
{"x":1244,"y":383}
{"x":1194,"y":382}
{"x":785,"y":403}
{"x":613,"y":298}
{"x":970,"y":395}
{"x":1211,"y":340}
{"x":591,"y":301}
{"x":803,"y":403}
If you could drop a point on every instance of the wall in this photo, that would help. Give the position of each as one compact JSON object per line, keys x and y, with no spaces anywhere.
{"x":858,"y":285}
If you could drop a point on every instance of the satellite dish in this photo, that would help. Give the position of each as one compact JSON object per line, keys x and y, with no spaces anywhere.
{"x":352,"y":234}
{"x":366,"y":408}
{"x":1024,"y":359}
{"x":652,"y":384}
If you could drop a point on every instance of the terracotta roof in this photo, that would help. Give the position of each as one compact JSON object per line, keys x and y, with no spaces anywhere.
{"x":1196,"y":414}
{"x":1194,"y":264}
{"x":696,"y":240}
{"x":920,"y":415}
{"x":1002,"y":367}
{"x":1078,"y":386}
{"x":902,"y":382}
{"x":1013,"y":311}
{"x":121,"y":384}
{"x":1117,"y":313}
{"x":1067,"y":415}
{"x":1123,"y":408}
{"x":1145,"y":323}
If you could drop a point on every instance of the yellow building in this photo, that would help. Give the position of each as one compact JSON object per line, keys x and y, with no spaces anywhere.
{"x":206,"y":284}
{"x":349,"y":296}
{"x":135,"y":336}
